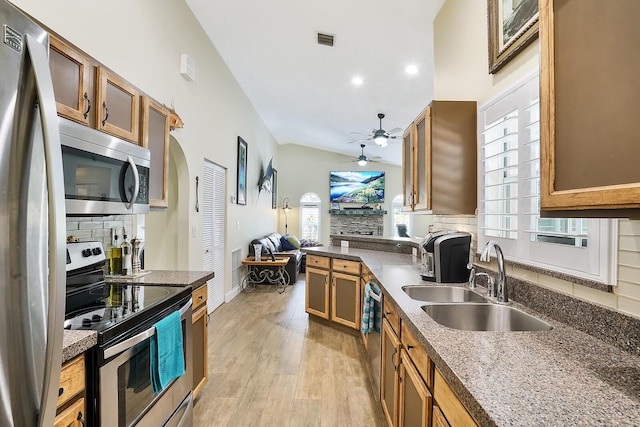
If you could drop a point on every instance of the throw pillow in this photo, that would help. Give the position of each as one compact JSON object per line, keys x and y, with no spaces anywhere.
{"x":286,"y":246}
{"x":294,"y":241}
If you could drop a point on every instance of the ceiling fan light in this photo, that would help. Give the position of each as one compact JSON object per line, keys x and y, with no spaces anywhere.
{"x":362,"y":161}
{"x":381,"y":140}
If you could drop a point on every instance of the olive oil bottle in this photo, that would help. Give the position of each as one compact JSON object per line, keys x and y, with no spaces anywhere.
{"x":115,"y":258}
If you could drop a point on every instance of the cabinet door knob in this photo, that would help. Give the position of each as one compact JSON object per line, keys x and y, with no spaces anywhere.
{"x":409,"y":347}
{"x":81,"y":419}
{"x":60,"y":391}
{"x":106,"y":113}
{"x":86,"y":97}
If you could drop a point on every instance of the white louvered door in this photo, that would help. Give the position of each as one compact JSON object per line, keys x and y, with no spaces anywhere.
{"x":212,"y":202}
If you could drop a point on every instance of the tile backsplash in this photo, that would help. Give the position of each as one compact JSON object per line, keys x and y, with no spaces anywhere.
{"x":98,"y":228}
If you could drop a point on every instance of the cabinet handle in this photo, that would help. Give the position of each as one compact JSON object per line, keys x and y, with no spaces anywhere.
{"x":106,"y":112}
{"x":86,"y":97}
{"x":80,"y":419}
{"x":409,"y":347}
{"x":200,"y":297}
{"x":386,"y":313}
{"x":395,"y":367}
{"x":60,"y":391}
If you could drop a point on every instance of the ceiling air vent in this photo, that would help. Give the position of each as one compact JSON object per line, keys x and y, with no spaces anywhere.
{"x":325,"y":39}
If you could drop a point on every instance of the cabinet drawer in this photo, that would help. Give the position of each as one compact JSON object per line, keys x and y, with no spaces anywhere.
{"x":318,"y":261}
{"x":439,"y":419}
{"x":344,"y":266}
{"x":73,"y":416}
{"x":418,"y":355}
{"x":391,"y":314}
{"x":448,"y":402}
{"x":199,"y":297}
{"x":71,"y":380}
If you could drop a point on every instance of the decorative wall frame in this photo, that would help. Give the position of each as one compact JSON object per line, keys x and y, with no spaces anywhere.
{"x":241,"y":195}
{"x":510,"y":31}
{"x":274,"y":190}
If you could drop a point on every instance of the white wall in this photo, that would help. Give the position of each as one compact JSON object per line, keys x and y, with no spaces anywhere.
{"x":461,"y":73}
{"x":141,"y":41}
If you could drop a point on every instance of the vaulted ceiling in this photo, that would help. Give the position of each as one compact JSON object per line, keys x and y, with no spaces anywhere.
{"x":303,"y":91}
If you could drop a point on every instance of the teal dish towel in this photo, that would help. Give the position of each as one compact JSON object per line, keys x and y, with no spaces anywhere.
{"x":167,"y":355}
{"x":371,"y":310}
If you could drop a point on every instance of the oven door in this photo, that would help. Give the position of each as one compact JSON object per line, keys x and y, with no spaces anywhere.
{"x":126,"y":397}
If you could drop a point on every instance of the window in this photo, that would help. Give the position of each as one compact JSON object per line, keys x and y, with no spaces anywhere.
{"x":400,"y":219}
{"x":509,"y":194}
{"x":310,"y":217}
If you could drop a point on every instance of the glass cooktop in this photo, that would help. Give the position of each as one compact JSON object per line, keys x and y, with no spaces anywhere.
{"x":108,"y":308}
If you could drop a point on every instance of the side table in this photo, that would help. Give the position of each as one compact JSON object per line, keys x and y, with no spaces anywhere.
{"x":258,"y":273}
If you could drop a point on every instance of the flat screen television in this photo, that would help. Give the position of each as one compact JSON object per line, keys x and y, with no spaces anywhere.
{"x":357,"y":187}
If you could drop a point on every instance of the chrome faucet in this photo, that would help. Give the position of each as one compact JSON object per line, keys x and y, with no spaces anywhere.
{"x":501,"y":292}
{"x":491,"y":292}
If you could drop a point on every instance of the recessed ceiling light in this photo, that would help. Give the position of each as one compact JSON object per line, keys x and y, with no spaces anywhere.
{"x":357,"y":80}
{"x":411,"y":69}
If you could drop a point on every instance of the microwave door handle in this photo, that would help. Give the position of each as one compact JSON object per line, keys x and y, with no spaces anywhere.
{"x":44,"y":289}
{"x":136,"y":182}
{"x":137,"y":339}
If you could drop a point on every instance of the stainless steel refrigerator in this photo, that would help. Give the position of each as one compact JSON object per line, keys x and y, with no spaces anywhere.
{"x":32,"y":223}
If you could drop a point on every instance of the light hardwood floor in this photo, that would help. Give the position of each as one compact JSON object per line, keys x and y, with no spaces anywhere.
{"x":269,"y":365}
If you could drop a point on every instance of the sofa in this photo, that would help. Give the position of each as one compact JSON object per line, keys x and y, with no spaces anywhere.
{"x":273,"y":241}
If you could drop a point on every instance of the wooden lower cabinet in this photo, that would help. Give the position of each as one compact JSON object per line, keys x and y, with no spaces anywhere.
{"x":199,"y":321}
{"x":439,"y":419}
{"x":345,"y":299}
{"x":390,"y":375}
{"x":70,"y":407}
{"x":451,"y":407}
{"x":317,"y":292}
{"x":73,"y":416}
{"x":415,"y":400}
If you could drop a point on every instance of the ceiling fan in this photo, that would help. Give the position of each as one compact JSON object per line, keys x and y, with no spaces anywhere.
{"x":381,"y":136}
{"x":362,"y":159}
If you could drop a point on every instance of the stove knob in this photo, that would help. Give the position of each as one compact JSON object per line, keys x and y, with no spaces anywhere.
{"x":86,"y":252}
{"x":96,"y":318}
{"x":96,"y":251}
{"x":86,"y":323}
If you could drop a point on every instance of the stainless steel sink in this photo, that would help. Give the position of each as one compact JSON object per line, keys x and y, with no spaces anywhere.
{"x":484,"y":317}
{"x":442,"y":294}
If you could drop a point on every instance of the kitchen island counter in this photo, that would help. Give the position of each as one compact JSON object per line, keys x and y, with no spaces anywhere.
{"x":558,"y":377}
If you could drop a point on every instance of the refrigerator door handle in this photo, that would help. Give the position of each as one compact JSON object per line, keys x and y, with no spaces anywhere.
{"x":49,"y":241}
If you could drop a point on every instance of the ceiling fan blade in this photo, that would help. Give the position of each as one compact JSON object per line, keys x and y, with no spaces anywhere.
{"x":360,"y":140}
{"x":394,"y":130}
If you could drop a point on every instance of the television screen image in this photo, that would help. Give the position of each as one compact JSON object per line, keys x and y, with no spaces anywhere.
{"x":357,"y":187}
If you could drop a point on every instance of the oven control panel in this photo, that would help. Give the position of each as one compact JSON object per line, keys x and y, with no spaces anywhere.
{"x":82,"y":254}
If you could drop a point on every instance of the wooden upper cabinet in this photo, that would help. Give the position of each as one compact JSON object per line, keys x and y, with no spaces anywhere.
{"x":421,"y":152}
{"x":408,"y":169}
{"x":442,"y":164}
{"x":589,"y":99}
{"x":155,"y":137}
{"x":118,"y":106}
{"x":71,"y":76}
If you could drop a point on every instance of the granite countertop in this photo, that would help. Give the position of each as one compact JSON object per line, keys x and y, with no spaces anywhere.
{"x":77,"y":342}
{"x":195,"y":279}
{"x":557,"y":377}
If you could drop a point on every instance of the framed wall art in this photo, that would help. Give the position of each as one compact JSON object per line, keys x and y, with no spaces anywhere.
{"x":513,"y":25}
{"x":241,"y":196}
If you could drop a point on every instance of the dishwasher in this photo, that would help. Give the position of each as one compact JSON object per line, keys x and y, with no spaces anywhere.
{"x":374,"y":345}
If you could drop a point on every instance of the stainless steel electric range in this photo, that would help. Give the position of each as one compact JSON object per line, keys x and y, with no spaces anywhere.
{"x":119,"y":391}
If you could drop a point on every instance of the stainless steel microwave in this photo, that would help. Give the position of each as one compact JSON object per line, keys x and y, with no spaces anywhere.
{"x":103,"y":175}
